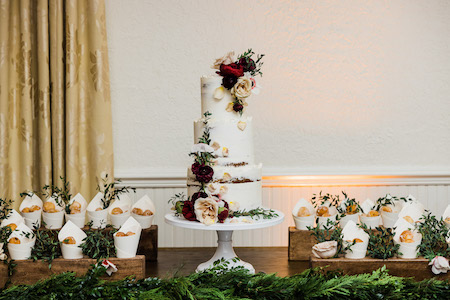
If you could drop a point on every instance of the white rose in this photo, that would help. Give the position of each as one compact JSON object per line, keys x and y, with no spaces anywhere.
{"x":242,"y":89}
{"x":226,"y":59}
{"x":206,"y":210}
{"x":439,"y":264}
{"x":201,"y":148}
{"x":325,"y":249}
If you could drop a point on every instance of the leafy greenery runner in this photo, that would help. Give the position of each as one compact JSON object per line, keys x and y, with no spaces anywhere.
{"x":220,"y":283}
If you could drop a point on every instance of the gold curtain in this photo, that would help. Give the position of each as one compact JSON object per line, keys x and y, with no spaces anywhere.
{"x":55,"y":109}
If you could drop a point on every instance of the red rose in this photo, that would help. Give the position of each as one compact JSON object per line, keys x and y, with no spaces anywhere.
{"x":188,"y":211}
{"x":195,"y":166}
{"x":204,"y":174}
{"x":247,"y":63}
{"x":223,"y":214}
{"x":237,"y":107}
{"x":229,"y":81}
{"x":232,"y":69}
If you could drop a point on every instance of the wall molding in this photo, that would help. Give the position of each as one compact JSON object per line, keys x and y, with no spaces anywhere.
{"x":291,"y":177}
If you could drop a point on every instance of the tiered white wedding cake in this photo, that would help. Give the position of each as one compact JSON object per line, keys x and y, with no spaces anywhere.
{"x":224,"y":182}
{"x":236,"y":178}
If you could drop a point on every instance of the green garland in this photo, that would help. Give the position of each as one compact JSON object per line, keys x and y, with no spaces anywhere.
{"x":219,"y":283}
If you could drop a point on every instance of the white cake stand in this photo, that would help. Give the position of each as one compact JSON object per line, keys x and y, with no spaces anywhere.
{"x":224,"y":233}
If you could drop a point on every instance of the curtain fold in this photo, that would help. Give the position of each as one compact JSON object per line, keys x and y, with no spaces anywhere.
{"x":55,"y":109}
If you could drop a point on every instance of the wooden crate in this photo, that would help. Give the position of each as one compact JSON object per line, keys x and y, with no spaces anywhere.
{"x":29,"y":272}
{"x":300,"y":244}
{"x":148,"y":244}
{"x":417,"y":268}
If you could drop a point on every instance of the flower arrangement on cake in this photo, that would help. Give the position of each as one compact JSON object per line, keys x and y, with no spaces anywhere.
{"x":415,"y":232}
{"x":224,"y":183}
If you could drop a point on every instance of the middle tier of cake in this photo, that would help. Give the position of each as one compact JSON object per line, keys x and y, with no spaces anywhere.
{"x":232,"y":139}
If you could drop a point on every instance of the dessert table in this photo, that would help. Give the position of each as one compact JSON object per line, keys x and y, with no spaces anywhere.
{"x":224,"y":231}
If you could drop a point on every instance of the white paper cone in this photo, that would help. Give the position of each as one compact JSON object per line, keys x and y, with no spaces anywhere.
{"x":13,"y":217}
{"x":344,"y":220}
{"x":99,"y":218}
{"x":145,"y":221}
{"x":301,"y":223}
{"x":71,"y":251}
{"x":409,"y":250}
{"x":126,"y":246}
{"x":118,"y":220}
{"x":323,"y":221}
{"x":21,"y":251}
{"x":389,"y":219}
{"x":371,"y":222}
{"x":78,"y":219}
{"x":32,"y":219}
{"x":356,"y":254}
{"x":53,"y":220}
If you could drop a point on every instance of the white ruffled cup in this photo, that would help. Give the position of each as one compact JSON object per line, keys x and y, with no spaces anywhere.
{"x":301,"y":223}
{"x":371,"y":222}
{"x":53,"y":220}
{"x":78,"y":219}
{"x":389,"y":218}
{"x":21,"y":251}
{"x":344,"y":220}
{"x":144,"y":221}
{"x":99,"y":218}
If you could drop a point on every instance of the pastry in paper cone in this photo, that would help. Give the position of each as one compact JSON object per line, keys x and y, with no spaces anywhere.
{"x":324,"y":213}
{"x":369,"y":216}
{"x":71,"y":236}
{"x":352,"y":232}
{"x":13,"y":220}
{"x":408,"y":238}
{"x":351,"y":213}
{"x":389,"y":214}
{"x":19,"y":245}
{"x":31,"y":211}
{"x":446,"y":217}
{"x":96,"y":213}
{"x":411,"y":213}
{"x":127,"y":238}
{"x":120,"y":210}
{"x":53,"y":213}
{"x":144,"y":211}
{"x":303,"y":214}
{"x":77,"y":208}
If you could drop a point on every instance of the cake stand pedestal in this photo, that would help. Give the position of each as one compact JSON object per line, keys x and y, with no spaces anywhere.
{"x":224,"y":233}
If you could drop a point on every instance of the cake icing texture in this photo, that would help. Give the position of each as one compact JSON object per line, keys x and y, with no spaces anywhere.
{"x":224,"y":177}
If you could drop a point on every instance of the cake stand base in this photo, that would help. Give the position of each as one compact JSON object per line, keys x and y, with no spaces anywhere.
{"x":226,"y":252}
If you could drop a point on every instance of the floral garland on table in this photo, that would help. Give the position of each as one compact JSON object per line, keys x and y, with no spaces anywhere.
{"x":238,"y":77}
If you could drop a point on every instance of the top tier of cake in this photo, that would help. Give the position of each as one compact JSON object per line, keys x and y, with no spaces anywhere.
{"x":218,"y":108}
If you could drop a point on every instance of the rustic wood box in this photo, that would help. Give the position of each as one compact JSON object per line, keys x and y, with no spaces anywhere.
{"x":417,"y":268}
{"x":300,"y":244}
{"x":148,"y":244}
{"x":29,"y":272}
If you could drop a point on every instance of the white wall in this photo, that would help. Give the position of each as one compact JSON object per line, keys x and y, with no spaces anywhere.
{"x":349,"y":86}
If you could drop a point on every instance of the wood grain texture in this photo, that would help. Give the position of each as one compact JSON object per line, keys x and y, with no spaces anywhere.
{"x":29,"y":272}
{"x":417,"y":268}
{"x":300,"y":244}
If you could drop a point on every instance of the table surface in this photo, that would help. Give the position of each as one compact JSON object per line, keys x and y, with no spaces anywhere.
{"x":183,"y":261}
{"x":256,"y":223}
